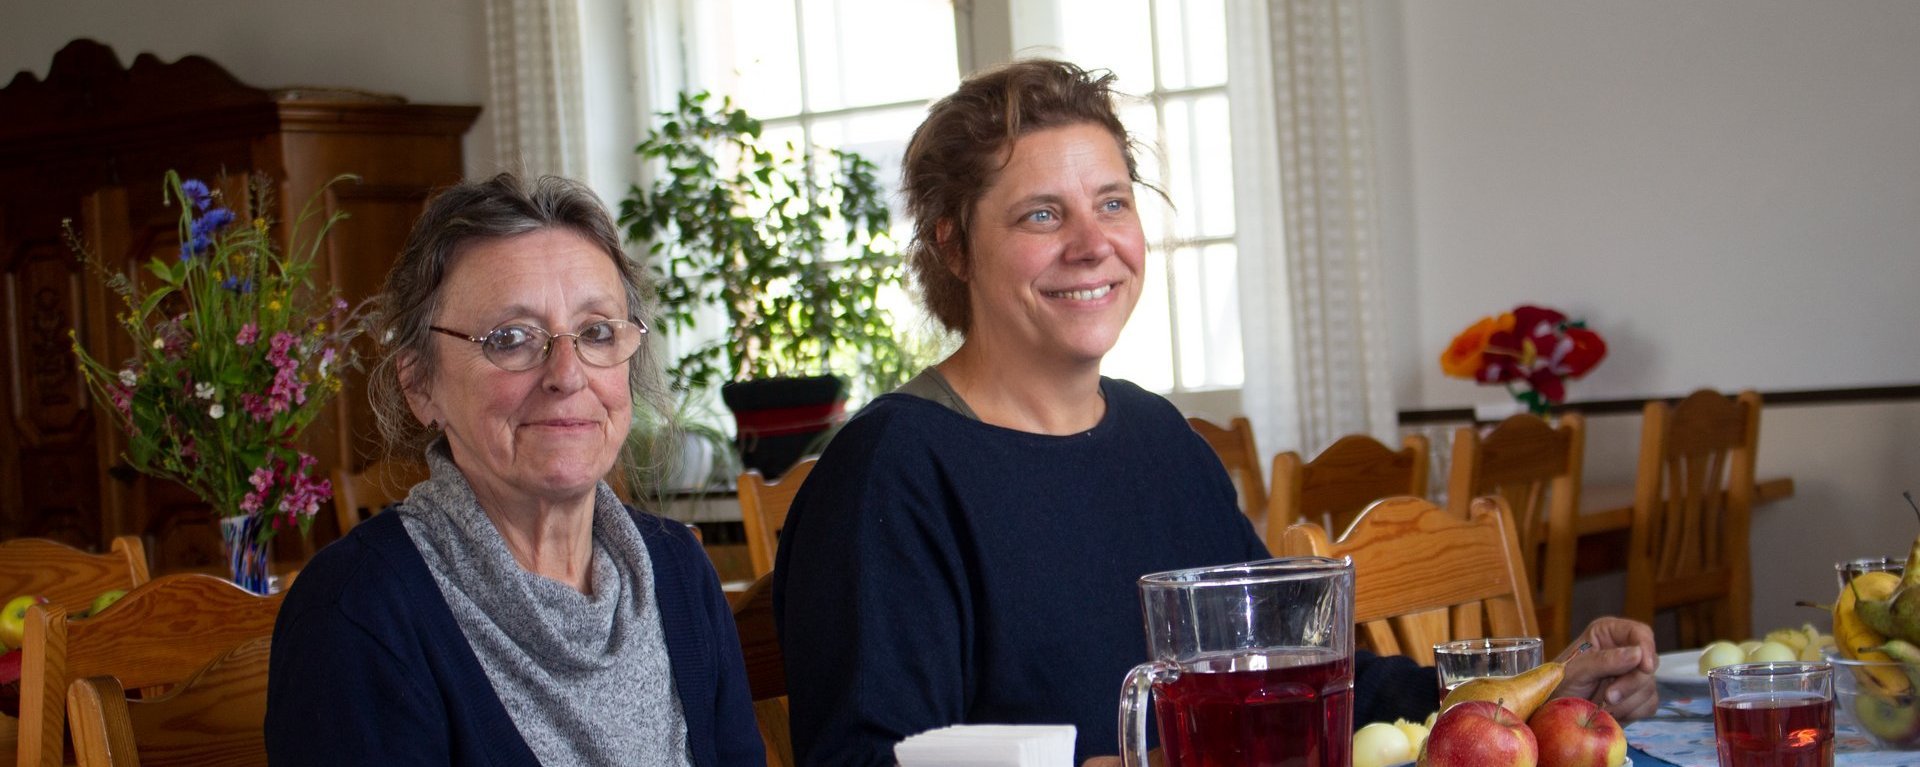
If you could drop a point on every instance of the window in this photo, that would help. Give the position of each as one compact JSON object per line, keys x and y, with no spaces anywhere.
{"x":858,"y":74}
{"x":1171,"y":54}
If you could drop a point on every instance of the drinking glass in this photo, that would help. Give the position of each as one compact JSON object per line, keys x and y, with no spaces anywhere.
{"x":1252,"y":665}
{"x":1467,"y":659}
{"x":1851,"y":568}
{"x":1773,"y":714}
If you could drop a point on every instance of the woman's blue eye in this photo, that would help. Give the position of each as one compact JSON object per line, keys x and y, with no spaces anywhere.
{"x":1041,"y":216}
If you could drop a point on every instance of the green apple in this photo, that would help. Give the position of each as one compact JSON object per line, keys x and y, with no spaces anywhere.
{"x":106,"y":598}
{"x":13,"y":618}
{"x":1895,"y":720}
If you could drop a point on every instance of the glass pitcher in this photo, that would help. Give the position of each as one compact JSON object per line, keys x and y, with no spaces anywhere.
{"x":1252,"y":665}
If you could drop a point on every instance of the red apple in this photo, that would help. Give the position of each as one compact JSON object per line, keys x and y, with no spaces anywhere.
{"x":1479,"y":733}
{"x":1573,"y":732}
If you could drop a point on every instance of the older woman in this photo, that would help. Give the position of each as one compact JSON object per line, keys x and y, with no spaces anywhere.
{"x":511,"y":610}
{"x":967,"y":548}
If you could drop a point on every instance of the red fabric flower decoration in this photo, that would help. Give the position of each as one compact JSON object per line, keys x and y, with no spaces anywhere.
{"x":1532,"y":350}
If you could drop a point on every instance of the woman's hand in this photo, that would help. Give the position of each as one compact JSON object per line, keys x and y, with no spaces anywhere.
{"x":1616,"y":672}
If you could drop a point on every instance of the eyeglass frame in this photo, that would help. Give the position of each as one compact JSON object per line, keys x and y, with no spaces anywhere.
{"x":546,"y":349}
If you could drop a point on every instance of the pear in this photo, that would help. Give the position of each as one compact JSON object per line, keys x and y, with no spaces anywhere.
{"x":1521,"y":693}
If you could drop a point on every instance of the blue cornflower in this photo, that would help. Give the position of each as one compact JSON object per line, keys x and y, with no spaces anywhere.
{"x":213,"y":221}
{"x":238,"y":285}
{"x":197,"y":193}
{"x":194,"y":245}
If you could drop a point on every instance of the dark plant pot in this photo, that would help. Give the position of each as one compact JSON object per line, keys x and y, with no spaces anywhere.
{"x":780,"y":420}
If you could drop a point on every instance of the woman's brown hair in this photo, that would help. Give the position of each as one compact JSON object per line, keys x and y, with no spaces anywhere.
{"x":958,"y":152}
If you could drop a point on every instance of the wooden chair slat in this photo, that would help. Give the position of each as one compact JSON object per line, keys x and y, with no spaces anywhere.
{"x":1235,"y":446}
{"x":763,"y":511}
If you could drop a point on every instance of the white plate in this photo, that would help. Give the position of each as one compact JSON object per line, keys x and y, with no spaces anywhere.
{"x":1681,"y":669}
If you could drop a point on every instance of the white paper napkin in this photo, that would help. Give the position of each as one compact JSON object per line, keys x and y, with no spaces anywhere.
{"x":989,"y":745}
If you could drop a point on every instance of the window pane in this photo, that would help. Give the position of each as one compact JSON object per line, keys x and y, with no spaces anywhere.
{"x":1200,"y":156}
{"x":863,"y":52}
{"x":1193,"y":43}
{"x":1141,"y":356}
{"x":1110,"y":34}
{"x":881,"y":137}
{"x":1219,"y":313}
{"x":749,"y":52}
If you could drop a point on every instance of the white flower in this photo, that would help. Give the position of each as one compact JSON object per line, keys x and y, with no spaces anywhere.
{"x":127,"y":378}
{"x":158,"y":343}
{"x":216,"y":411}
{"x":204,"y":391}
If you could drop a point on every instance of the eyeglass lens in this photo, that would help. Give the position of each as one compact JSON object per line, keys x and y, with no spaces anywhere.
{"x":601,"y":344}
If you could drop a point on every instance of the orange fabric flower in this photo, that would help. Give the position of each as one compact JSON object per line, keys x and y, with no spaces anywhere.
{"x":1463,"y":357}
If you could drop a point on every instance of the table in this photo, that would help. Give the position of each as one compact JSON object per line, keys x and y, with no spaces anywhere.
{"x":1681,"y":734}
{"x":1606,"y":520}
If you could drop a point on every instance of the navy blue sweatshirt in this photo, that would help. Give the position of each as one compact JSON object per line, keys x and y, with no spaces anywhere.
{"x":937,"y":570}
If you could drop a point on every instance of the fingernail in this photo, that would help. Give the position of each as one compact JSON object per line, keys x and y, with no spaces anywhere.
{"x":1613,"y":696}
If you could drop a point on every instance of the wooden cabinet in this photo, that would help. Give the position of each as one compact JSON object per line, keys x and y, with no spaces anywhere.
{"x":90,"y":143}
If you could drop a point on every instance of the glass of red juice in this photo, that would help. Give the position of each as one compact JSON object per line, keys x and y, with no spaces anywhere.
{"x":1252,"y":665}
{"x":1773,"y":714}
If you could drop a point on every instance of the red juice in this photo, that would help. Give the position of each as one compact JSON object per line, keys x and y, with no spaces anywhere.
{"x":1290,"y":710}
{"x":1774,"y":730}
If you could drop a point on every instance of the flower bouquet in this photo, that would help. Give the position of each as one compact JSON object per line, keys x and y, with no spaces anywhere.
{"x":234,"y":355}
{"x":1531,"y":350}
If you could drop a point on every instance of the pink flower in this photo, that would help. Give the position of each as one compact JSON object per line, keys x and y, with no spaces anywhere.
{"x":261,"y":479}
{"x":248,"y":334}
{"x":256,"y":406}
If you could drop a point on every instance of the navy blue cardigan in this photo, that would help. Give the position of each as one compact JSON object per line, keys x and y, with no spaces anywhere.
{"x":369,"y":666}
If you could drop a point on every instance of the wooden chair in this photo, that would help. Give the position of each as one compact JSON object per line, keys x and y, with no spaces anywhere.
{"x":1423,"y":575}
{"x":68,"y":577}
{"x":1691,"y":505}
{"x":358,"y":496}
{"x":216,"y":718}
{"x":763,"y":511}
{"x":1535,"y":468}
{"x":1336,"y":485}
{"x":158,"y":634}
{"x":766,"y":669}
{"x":1234,"y":444}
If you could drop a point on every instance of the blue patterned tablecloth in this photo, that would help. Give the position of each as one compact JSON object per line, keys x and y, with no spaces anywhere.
{"x":1682,"y":734}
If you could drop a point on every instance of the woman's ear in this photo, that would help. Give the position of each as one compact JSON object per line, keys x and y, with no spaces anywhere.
{"x":419,"y":399}
{"x":952,"y":252}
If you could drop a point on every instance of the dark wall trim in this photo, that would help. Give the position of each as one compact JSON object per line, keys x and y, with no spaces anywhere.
{"x":1630,"y":406}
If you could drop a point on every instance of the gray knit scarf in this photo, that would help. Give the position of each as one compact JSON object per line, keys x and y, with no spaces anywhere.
{"x":585,"y":678}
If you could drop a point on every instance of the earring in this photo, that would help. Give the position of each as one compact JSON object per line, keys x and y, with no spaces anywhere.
{"x":433,"y":425}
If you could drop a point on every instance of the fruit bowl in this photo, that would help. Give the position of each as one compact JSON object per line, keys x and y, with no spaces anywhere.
{"x":1891,"y":719}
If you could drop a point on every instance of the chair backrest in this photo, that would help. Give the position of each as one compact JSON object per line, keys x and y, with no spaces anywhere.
{"x":1234,"y":444}
{"x":66,"y":576}
{"x":216,"y":718}
{"x":763,"y":511}
{"x":158,"y":634}
{"x":1337,"y":484}
{"x":1535,"y":468}
{"x":359,"y":495}
{"x":1692,"y":500}
{"x":766,"y":668}
{"x":1423,"y":575}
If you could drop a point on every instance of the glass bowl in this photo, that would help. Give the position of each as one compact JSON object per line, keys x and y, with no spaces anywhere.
{"x":1864,"y":700}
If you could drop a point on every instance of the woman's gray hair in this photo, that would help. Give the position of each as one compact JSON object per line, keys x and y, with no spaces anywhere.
{"x":472,"y":211}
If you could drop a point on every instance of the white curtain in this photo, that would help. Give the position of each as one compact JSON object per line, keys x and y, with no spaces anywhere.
{"x":1313,"y":318}
{"x":535,"y":86}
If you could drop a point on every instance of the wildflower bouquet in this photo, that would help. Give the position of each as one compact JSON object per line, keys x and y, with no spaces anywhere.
{"x":234,"y":354}
{"x":1531,"y":350}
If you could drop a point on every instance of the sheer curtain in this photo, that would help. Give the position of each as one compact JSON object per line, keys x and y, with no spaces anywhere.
{"x":536,"y":86}
{"x":1312,"y":306}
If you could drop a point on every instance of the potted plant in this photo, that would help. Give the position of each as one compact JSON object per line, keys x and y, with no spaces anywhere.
{"x":789,"y":251}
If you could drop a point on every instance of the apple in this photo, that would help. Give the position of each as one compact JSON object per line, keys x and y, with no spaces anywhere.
{"x":13,"y":619}
{"x":1573,"y":732}
{"x":1380,"y":745}
{"x":106,"y":599}
{"x":1893,"y":719}
{"x":1479,"y":733}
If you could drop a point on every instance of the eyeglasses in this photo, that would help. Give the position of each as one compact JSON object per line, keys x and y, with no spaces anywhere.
{"x":522,"y":347}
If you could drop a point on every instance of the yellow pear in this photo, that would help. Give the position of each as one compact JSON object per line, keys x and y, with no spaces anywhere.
{"x":1521,"y":693}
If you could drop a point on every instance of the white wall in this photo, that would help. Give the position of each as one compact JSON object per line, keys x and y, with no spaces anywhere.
{"x":430,"y":51}
{"x":1728,"y":190}
{"x":1691,"y":177}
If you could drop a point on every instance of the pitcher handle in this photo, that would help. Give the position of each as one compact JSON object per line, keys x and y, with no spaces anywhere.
{"x":1134,"y":695}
